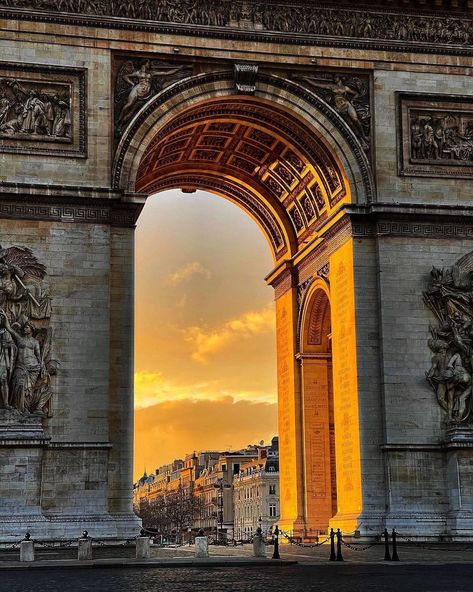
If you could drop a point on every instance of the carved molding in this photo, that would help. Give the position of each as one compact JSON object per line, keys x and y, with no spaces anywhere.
{"x":284,"y":85}
{"x":301,"y":23}
{"x":43,"y":110}
{"x":413,"y":228}
{"x":435,"y":135}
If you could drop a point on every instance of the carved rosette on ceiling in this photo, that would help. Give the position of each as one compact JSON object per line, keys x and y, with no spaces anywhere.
{"x":27,"y":367}
{"x":340,"y":25}
{"x":450,"y":298}
{"x":139,"y":80}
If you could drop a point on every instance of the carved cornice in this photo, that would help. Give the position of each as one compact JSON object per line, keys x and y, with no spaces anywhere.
{"x":69,"y":204}
{"x":274,"y":22}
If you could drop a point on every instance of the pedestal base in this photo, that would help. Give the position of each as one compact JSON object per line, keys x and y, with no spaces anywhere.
{"x":105,"y":527}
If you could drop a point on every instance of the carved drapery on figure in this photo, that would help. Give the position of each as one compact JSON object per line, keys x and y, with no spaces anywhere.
{"x":139,"y":80}
{"x":26,"y":364}
{"x":436,"y":135}
{"x":349,"y":96}
{"x":450,"y":298}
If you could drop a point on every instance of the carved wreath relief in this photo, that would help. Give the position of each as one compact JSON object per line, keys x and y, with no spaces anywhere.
{"x":450,"y":298}
{"x":26,"y":364}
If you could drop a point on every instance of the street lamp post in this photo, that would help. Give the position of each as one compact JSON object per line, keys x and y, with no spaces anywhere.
{"x":220,"y":485}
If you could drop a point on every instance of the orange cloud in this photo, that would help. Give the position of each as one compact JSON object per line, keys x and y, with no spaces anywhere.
{"x":185,"y":273}
{"x":207,"y":343}
{"x":170,"y":430}
{"x":152,"y":388}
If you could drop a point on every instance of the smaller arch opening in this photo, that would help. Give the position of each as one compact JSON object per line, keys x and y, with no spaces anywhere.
{"x":318,"y":412}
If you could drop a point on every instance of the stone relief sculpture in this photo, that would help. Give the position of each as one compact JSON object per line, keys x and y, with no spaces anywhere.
{"x":349,"y":96}
{"x":450,"y":298}
{"x":26,"y":364}
{"x":440,"y":136}
{"x":35,"y":110}
{"x":271,"y":16}
{"x":137,"y":82}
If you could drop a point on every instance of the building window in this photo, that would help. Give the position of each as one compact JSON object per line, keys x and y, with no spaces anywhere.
{"x":236,"y":468}
{"x":272,"y":511}
{"x":224,"y":467}
{"x":272,"y":489}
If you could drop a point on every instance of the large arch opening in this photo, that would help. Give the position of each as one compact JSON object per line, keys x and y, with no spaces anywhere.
{"x":290,"y":162}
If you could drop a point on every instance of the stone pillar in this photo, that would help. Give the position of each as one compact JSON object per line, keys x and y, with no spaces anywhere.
{"x":27,"y":550}
{"x":142,"y":547}
{"x":316,"y":381}
{"x":259,"y":548}
{"x":201,"y":547}
{"x":84,"y":550}
{"x":289,"y":410}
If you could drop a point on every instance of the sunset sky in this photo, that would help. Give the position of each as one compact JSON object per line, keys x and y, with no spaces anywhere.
{"x":205,"y":367}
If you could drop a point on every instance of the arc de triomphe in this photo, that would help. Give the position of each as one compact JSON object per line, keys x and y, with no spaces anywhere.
{"x":347,"y":135}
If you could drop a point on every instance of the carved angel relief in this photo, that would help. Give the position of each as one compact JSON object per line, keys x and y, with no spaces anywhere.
{"x":137,"y":82}
{"x":27,"y":367}
{"x":349,"y":96}
{"x":450,"y":298}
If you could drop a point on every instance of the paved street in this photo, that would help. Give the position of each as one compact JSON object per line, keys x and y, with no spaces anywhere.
{"x":295,"y":578}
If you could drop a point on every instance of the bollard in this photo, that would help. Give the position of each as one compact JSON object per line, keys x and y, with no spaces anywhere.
{"x":143,"y":546}
{"x":339,"y":545}
{"x":27,"y":548}
{"x":259,"y":548}
{"x":276,"y":543}
{"x":84,"y":549}
{"x":332,"y":545}
{"x":395,"y":555}
{"x":201,"y":545}
{"x":387,"y":554}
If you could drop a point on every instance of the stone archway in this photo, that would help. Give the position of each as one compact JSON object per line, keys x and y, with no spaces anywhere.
{"x":318,"y":423}
{"x":292,"y":163}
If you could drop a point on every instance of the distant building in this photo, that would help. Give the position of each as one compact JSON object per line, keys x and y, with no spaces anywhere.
{"x":211,"y":476}
{"x":256,"y":493}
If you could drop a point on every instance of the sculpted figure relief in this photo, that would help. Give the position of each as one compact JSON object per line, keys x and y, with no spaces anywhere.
{"x":350,"y":98}
{"x":26,"y":364}
{"x":270,"y":16}
{"x":137,"y":82}
{"x":35,"y":110}
{"x":450,"y":298}
{"x":441,"y":137}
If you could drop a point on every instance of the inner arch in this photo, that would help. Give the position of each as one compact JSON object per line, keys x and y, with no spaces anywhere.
{"x":255,"y":154}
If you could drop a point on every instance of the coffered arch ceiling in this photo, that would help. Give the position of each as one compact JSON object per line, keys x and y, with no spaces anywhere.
{"x":257,"y":155}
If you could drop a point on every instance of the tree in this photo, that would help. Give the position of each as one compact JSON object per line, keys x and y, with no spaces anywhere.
{"x":172,"y":511}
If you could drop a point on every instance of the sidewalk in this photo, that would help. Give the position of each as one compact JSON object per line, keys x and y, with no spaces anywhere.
{"x":241,"y":556}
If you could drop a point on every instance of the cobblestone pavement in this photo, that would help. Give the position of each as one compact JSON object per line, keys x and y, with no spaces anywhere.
{"x":294,"y":578}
